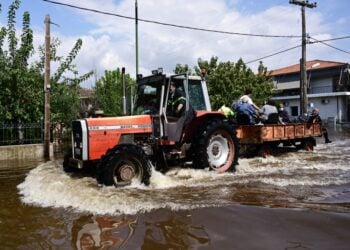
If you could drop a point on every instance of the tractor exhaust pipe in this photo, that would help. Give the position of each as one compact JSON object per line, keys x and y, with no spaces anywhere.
{"x":123,"y":89}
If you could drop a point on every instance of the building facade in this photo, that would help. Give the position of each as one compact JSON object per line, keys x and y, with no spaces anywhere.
{"x":328,"y":89}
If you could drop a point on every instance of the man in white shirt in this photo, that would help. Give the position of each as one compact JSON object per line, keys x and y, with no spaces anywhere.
{"x":247,"y":96}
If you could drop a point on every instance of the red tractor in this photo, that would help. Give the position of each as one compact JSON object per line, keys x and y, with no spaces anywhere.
{"x":163,"y":132}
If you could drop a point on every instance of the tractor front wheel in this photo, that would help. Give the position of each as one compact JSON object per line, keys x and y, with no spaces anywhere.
{"x":122,"y":165}
{"x":66,"y":167}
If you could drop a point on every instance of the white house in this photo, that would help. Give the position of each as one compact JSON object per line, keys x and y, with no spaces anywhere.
{"x":328,"y":88}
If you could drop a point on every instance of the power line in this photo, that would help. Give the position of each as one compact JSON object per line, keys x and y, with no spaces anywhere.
{"x":209,"y":30}
{"x":274,"y":54}
{"x":331,"y":39}
{"x":331,"y":46}
{"x":277,"y":50}
{"x":170,"y":24}
{"x":316,"y":41}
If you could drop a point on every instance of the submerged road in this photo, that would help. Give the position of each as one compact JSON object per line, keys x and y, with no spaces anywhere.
{"x":295,"y":200}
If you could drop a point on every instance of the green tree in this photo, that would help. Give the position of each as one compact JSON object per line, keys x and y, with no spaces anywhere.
{"x":108,"y":91}
{"x":180,"y":69}
{"x":21,"y":84}
{"x":21,"y":94}
{"x":227,"y":81}
{"x":65,"y":90}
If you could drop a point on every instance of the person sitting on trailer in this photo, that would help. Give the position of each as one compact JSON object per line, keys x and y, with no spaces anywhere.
{"x":315,"y":117}
{"x":227,"y":111}
{"x":246,"y":113}
{"x":247,"y":96}
{"x":269,"y":113}
{"x":283,"y":113}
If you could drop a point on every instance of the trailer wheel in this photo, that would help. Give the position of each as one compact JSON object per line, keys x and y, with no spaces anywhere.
{"x":216,"y":146}
{"x":123,"y":164}
{"x":265,"y":150}
{"x":308,"y":144}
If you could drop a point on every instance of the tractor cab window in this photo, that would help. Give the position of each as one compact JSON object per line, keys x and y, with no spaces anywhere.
{"x":147,"y":100}
{"x":195,"y":92}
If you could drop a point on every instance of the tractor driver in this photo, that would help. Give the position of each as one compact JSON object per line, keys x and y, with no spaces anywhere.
{"x":176,"y":102}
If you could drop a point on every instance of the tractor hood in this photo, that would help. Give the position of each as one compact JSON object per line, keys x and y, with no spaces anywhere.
{"x":92,"y":137}
{"x":122,"y":124}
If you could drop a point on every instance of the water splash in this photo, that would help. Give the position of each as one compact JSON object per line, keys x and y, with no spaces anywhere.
{"x":49,"y":186}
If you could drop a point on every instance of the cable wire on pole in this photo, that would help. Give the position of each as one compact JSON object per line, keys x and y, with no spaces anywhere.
{"x":314,"y":42}
{"x":211,"y":30}
{"x":274,"y":54}
{"x":331,"y":39}
{"x":170,"y":24}
{"x":331,"y":46}
{"x":303,"y":73}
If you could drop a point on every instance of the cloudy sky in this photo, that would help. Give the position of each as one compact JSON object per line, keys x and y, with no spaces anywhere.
{"x":109,"y":41}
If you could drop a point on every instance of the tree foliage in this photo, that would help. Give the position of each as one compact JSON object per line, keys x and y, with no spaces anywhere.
{"x":65,"y":90}
{"x":108,"y":91}
{"x":180,"y":69}
{"x":21,"y":84}
{"x":20,"y":95}
{"x":227,"y":81}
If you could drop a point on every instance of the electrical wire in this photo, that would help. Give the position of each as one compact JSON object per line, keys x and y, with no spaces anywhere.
{"x":331,"y":46}
{"x":274,"y":54}
{"x":331,"y":39}
{"x":209,"y":30}
{"x":316,"y":41}
{"x":169,"y":24}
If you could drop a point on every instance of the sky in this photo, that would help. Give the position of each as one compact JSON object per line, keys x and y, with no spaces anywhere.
{"x":109,"y":41}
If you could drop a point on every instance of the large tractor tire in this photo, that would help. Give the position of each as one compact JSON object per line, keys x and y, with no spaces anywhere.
{"x":123,"y":164}
{"x":216,"y":146}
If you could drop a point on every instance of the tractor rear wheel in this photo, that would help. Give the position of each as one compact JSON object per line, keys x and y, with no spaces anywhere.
{"x":216,"y":146}
{"x":123,"y":164}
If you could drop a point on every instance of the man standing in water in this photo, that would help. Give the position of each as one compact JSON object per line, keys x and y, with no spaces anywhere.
{"x":315,"y":117}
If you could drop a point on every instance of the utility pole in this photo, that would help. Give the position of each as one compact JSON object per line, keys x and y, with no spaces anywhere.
{"x":123,"y":91}
{"x":136,"y":39}
{"x":303,"y":74}
{"x":136,"y":55}
{"x":47,"y":90}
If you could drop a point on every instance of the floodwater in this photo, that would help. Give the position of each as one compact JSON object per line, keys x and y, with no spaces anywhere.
{"x":294,"y":200}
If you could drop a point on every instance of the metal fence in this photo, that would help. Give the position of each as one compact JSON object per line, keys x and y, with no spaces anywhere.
{"x":21,"y":133}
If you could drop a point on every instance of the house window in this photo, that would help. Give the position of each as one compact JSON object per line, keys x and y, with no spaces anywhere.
{"x":294,"y":110}
{"x":340,"y":83}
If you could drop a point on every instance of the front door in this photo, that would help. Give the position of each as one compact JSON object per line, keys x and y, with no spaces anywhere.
{"x":176,"y":107}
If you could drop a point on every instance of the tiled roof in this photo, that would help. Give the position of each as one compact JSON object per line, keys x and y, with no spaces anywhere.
{"x":310,"y":65}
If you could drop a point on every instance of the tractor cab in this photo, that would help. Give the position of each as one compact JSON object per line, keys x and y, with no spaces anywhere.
{"x":156,"y":97}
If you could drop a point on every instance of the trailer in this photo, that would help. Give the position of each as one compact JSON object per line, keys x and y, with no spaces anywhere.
{"x":266,"y":138}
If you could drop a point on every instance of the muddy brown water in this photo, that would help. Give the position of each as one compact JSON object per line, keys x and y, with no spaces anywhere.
{"x":295,"y":200}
